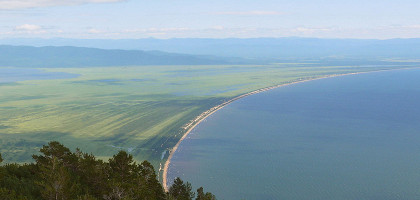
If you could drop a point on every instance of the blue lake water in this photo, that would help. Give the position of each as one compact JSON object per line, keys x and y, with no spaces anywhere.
{"x":10,"y":75}
{"x":349,"y":137}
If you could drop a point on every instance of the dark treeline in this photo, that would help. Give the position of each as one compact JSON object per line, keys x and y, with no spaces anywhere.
{"x":60,"y":174}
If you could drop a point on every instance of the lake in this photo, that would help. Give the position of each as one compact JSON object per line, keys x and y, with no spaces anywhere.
{"x":347,"y":137}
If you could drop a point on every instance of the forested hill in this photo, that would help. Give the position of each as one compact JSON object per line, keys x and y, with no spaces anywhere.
{"x":26,"y":56}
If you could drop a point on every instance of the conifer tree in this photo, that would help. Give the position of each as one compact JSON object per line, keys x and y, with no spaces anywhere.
{"x":204,"y":196}
{"x":180,"y":190}
{"x":56,"y":164}
{"x":59,"y":174}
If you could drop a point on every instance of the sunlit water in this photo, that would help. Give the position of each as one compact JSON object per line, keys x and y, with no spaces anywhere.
{"x":349,"y":137}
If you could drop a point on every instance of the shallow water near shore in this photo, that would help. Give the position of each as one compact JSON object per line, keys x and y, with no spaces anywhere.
{"x":347,"y":137}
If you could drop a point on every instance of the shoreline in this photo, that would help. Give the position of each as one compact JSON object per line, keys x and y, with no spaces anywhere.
{"x":197,"y":120}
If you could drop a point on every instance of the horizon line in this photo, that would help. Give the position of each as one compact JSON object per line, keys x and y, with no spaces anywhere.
{"x":210,"y":38}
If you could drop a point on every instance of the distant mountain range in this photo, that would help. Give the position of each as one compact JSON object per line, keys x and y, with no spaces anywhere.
{"x":90,"y":52}
{"x":253,"y":48}
{"x":26,"y":56}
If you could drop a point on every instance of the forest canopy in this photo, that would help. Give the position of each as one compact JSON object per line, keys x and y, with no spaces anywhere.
{"x":60,"y":174}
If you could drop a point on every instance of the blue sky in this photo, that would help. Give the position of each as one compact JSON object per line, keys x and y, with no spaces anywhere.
{"x":118,"y":19}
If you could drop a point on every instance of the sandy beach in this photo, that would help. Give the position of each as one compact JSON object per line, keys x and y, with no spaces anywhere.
{"x":190,"y":126}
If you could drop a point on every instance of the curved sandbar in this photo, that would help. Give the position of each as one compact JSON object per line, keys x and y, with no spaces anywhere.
{"x":190,"y":126}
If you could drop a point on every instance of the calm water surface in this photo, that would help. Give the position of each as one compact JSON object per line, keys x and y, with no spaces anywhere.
{"x":349,"y":137}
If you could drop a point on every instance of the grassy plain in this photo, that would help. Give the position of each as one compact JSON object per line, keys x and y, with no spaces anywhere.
{"x":141,"y":109}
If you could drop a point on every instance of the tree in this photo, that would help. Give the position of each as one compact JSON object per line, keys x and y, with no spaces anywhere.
{"x":56,"y":166}
{"x":1,"y":158}
{"x":151,"y":188}
{"x":56,"y":150}
{"x":180,"y":190}
{"x":92,"y":173}
{"x":20,"y":178}
{"x":124,"y":175}
{"x":86,"y":197}
{"x":59,"y":174}
{"x":56,"y":181}
{"x":6,"y":194}
{"x":123,"y":168}
{"x":204,"y":196}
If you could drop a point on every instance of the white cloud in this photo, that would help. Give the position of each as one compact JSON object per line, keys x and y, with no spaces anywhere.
{"x":28,"y":27}
{"x":311,"y":30}
{"x":156,"y":30}
{"x":254,"y":12}
{"x":380,"y":32}
{"x":94,"y":31}
{"x":412,"y":26}
{"x":20,"y":4}
{"x":218,"y":27}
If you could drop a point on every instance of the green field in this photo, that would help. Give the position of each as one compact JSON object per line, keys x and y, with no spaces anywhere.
{"x":139,"y":109}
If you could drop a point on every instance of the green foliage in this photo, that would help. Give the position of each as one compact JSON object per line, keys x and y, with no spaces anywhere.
{"x":20,"y":178}
{"x":180,"y":190}
{"x":92,"y":174}
{"x":59,"y":174}
{"x":151,"y":184}
{"x":6,"y":194}
{"x":86,"y":197}
{"x":57,"y":181}
{"x":122,"y":168}
{"x":56,"y":152}
{"x":204,"y":196}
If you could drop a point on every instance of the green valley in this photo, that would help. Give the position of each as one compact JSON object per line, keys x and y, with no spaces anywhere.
{"x":139,"y":109}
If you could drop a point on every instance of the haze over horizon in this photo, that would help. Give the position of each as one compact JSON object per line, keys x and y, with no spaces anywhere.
{"x":132,"y":19}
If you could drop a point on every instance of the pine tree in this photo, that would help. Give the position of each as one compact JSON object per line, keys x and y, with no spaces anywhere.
{"x":59,"y":174}
{"x":150,"y":187}
{"x":180,"y":190}
{"x":204,"y":196}
{"x":56,"y":165}
{"x":6,"y":194}
{"x":92,"y":173}
{"x":55,"y":179}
